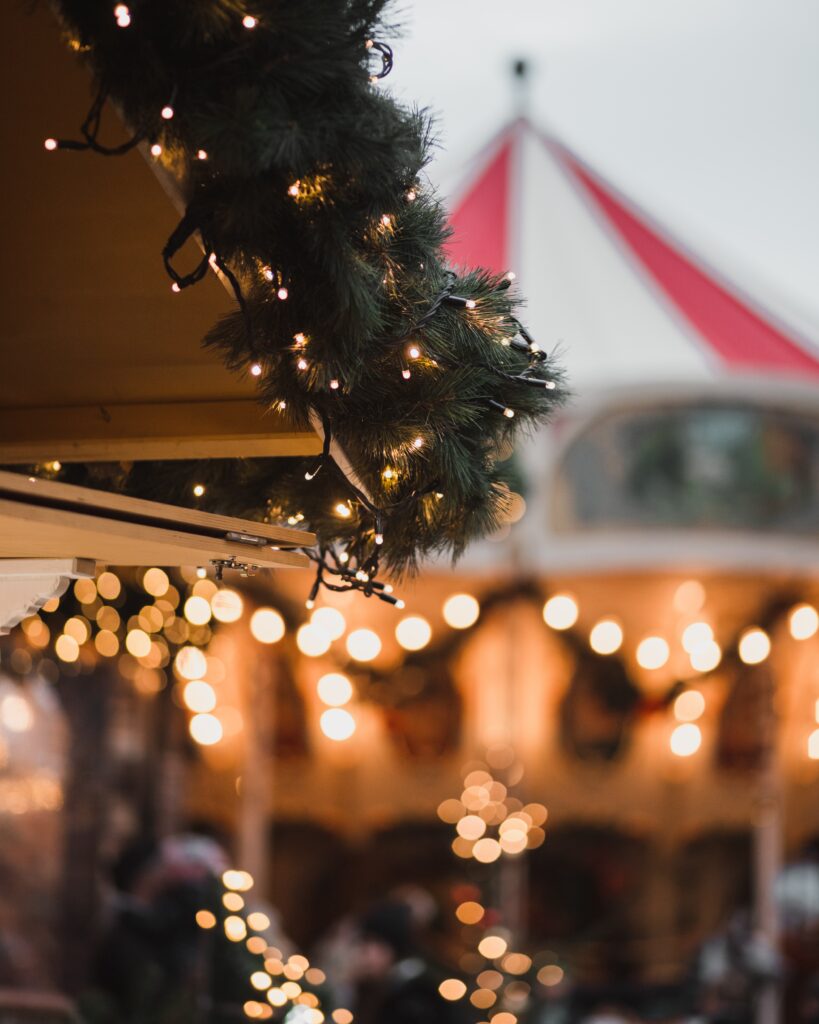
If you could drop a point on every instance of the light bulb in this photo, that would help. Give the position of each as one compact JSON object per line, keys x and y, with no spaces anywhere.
{"x":256,"y":370}
{"x":201,"y":154}
{"x":406,"y":374}
{"x":754,"y":646}
{"x":560,"y":611}
{"x":379,"y":538}
{"x":470,"y":303}
{"x":343,"y":510}
{"x":294,"y":189}
{"x":198,"y":490}
{"x":267,"y":274}
{"x":50,"y":144}
{"x":418,"y":442}
{"x":167,"y":113}
{"x":509,"y":413}
{"x":388,"y":473}
{"x":411,"y":195}
{"x":156,"y":149}
{"x":249,"y":21}
{"x":334,"y":384}
{"x":413,"y":352}
{"x":344,"y":557}
{"x":282,"y":293}
{"x":302,"y":364}
{"x":511,"y":275}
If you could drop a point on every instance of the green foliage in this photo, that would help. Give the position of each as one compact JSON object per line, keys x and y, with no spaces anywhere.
{"x":312,"y":183}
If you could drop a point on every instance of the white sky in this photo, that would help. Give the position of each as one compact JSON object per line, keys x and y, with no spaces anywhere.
{"x":705,"y":112}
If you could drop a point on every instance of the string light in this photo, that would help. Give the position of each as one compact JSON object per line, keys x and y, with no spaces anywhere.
{"x":302,"y":363}
{"x":51,"y":144}
{"x":201,"y":154}
{"x":123,"y":15}
{"x":406,"y":374}
{"x":418,"y":442}
{"x":334,"y":384}
{"x":249,"y":21}
{"x":413,"y":352}
{"x":685,"y":739}
{"x":282,"y":294}
{"x":652,"y":653}
{"x":754,"y":646}
{"x":156,"y":149}
{"x":803,"y":621}
{"x":343,"y":510}
{"x":294,"y":189}
{"x":412,"y":195}
{"x":198,"y":490}
{"x":268,"y":274}
{"x":560,"y":611}
{"x":256,"y":370}
{"x":167,"y":113}
{"x":175,"y":287}
{"x":606,"y":636}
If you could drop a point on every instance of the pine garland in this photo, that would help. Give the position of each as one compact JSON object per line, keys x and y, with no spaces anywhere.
{"x":302,"y":178}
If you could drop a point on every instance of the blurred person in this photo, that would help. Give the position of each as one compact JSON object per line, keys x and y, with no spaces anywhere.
{"x":394,"y":982}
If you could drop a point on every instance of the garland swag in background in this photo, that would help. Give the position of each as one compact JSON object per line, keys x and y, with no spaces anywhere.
{"x":302,"y":182}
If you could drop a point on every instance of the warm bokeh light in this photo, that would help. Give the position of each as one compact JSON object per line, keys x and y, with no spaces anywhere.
{"x":78,"y":628}
{"x":754,"y":646}
{"x":138,"y":643}
{"x":652,"y":653}
{"x":232,"y":901}
{"x":330,"y":621}
{"x":337,"y":724}
{"x":276,"y":997}
{"x":261,"y":980}
{"x":109,"y":586}
{"x":483,"y":998}
{"x":560,"y":611}
{"x":698,"y":634}
{"x":363,"y":645}
{"x":689,"y":597}
{"x":516,"y":963}
{"x":205,"y":919}
{"x":239,"y":880}
{"x":155,"y":582}
{"x":492,"y":946}
{"x":486,"y":850}
{"x":334,"y":689}
{"x":452,"y":989}
{"x":469,"y":912}
{"x":689,"y":706}
{"x":686,"y":740}
{"x":205,"y":729}
{"x":450,"y":810}
{"x":461,"y":611}
{"x":66,"y":648}
{"x":803,"y":621}
{"x":471,"y":827}
{"x":15,"y":713}
{"x":342,"y":1016}
{"x":199,"y":696}
{"x":106,"y":643}
{"x":227,"y":605}
{"x":813,"y":745}
{"x":490,"y":979}
{"x":197,"y":610}
{"x":267,"y":626}
{"x":258,"y":921}
{"x":706,"y":658}
{"x":550,"y":975}
{"x":413,"y":633}
{"x":311,"y":641}
{"x":190,"y":663}
{"x":235,"y":929}
{"x":606,"y":636}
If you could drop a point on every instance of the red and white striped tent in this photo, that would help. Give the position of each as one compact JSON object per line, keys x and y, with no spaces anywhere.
{"x":636,"y":314}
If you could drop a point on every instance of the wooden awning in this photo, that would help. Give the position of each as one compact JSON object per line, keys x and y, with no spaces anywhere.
{"x":100,"y":359}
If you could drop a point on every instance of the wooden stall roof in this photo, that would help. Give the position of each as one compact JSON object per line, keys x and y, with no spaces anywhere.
{"x":100,"y":359}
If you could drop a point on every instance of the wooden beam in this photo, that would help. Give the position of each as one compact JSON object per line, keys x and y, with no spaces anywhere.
{"x":16,"y":485}
{"x":32,"y":531}
{"x":233,"y":428}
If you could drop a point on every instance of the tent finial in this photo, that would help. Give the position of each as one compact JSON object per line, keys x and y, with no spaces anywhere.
{"x":522,"y":78}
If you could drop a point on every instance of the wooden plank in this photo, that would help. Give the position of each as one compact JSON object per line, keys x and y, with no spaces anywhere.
{"x":32,"y":531}
{"x":233,"y":428}
{"x":52,"y":490}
